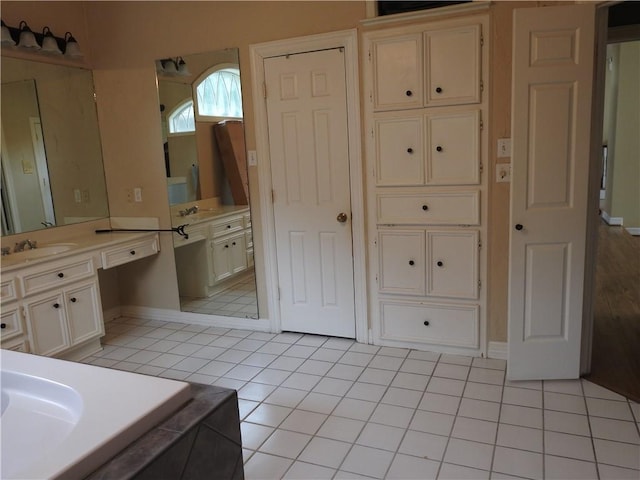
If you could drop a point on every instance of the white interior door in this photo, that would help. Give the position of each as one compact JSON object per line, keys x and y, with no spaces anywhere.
{"x":308,"y":137}
{"x":552,"y":88}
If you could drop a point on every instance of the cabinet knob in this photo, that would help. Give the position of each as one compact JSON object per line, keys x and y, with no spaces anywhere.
{"x":438,"y":89}
{"x":426,"y":323}
{"x":56,"y":305}
{"x":519,"y":226}
{"x":132,"y":252}
{"x":440,"y":263}
{"x":226,"y":246}
{"x":73,"y":299}
{"x":60,"y":275}
{"x":228,"y":226}
{"x":3,"y":325}
{"x":408,"y":93}
{"x":233,"y":243}
{"x":438,"y":148}
{"x":425,"y":207}
{"x":409,"y":150}
{"x":412,"y":263}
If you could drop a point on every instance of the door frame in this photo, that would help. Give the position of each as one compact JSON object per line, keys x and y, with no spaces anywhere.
{"x":347,"y":40}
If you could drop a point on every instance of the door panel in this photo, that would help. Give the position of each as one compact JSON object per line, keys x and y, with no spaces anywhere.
{"x":552,"y":89}
{"x":307,"y":116}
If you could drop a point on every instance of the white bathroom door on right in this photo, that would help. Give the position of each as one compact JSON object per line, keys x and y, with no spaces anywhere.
{"x":553,"y":55}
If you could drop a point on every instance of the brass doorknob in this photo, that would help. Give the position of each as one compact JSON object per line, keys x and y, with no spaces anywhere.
{"x":342,"y":217}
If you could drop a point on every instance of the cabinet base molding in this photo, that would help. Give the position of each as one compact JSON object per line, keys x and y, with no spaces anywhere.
{"x":111,"y":314}
{"x":164,"y":315}
{"x":497,"y":350}
{"x":82,"y":351}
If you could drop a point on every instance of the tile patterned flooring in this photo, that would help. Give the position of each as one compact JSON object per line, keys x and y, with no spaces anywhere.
{"x":314,"y":407}
{"x":239,"y":300}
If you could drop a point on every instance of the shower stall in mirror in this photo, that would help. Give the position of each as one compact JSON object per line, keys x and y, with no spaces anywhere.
{"x":205,"y":160}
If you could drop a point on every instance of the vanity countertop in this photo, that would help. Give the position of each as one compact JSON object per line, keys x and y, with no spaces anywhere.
{"x":72,"y":245}
{"x":206,"y":215}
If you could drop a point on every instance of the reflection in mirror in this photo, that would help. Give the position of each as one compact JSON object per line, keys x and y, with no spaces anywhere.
{"x":52,"y":171}
{"x":205,"y":162}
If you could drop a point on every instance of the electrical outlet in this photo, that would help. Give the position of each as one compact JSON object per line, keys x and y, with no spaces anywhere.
{"x":503,"y":172}
{"x":77,"y":195}
{"x":504,"y":147}
{"x":137,"y":194}
{"x":85,"y":195}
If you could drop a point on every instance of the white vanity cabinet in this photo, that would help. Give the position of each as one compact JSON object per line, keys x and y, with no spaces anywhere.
{"x":51,"y":305}
{"x":426,"y":194}
{"x":229,"y":256}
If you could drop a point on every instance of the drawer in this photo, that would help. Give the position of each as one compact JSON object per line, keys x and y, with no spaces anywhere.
{"x":437,"y":208}
{"x":17,"y":345}
{"x":8,"y":290}
{"x":11,"y":324}
{"x":129,"y":252}
{"x":35,"y":281}
{"x":452,"y":264}
{"x":442,"y":324}
{"x":233,"y":224}
{"x":196,"y":233}
{"x":402,"y":262}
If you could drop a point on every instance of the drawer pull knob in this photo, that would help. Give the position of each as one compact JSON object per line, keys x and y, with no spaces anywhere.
{"x":412,"y":263}
{"x":56,"y":305}
{"x":439,"y":263}
{"x":3,"y":325}
{"x":228,"y":226}
{"x":426,"y":323}
{"x":233,"y":243}
{"x":409,"y":150}
{"x":408,"y":93}
{"x":60,"y":275}
{"x":226,"y":246}
{"x":73,"y":299}
{"x":132,"y":252}
{"x":425,"y":207}
{"x":519,"y":226}
{"x":438,"y":89}
{"x":438,"y":148}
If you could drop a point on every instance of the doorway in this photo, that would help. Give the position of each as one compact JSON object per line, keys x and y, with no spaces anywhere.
{"x":346,"y":43}
{"x":615,"y":363}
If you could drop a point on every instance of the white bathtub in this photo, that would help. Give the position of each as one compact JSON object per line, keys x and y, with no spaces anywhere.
{"x":63,"y":420}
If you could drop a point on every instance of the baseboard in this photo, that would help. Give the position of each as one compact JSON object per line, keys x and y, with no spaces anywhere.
{"x":613,"y":221}
{"x":111,"y":314}
{"x":497,"y":350}
{"x":259,"y":325}
{"x":633,"y":230}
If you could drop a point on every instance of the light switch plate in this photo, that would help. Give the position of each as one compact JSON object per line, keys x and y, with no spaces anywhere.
{"x":504,"y":147}
{"x":253,"y":158}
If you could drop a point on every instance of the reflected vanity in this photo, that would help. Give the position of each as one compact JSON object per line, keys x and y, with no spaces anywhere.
{"x":205,"y":162}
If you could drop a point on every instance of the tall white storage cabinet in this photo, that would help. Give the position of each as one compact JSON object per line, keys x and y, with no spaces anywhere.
{"x":425,"y":88}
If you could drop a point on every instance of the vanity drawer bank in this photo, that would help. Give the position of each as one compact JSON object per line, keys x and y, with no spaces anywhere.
{"x":220,"y":244}
{"x":50,"y":295}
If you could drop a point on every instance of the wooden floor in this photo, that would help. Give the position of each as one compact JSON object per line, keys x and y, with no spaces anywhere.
{"x":616,"y":338}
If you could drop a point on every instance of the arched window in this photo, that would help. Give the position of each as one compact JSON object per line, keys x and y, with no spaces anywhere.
{"x":219,"y":94}
{"x":181,"y":119}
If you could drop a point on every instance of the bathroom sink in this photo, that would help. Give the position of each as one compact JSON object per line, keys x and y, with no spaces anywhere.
{"x":43,"y":251}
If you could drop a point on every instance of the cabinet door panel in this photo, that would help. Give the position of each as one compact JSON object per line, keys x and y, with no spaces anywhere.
{"x":453,"y":66}
{"x":452,"y":264}
{"x":399,"y":150}
{"x":84,"y":312}
{"x":453,"y":148}
{"x":47,"y":324}
{"x":402,"y":262}
{"x":397,"y":67}
{"x":11,"y":322}
{"x":238,"y":258}
{"x":221,"y":258}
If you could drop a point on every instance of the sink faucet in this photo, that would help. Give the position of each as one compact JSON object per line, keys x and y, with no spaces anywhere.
{"x":188,"y":211}
{"x":20,"y":246}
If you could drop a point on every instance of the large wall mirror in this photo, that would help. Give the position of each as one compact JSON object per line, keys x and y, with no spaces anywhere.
{"x":205,"y":160}
{"x":52,"y":171}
